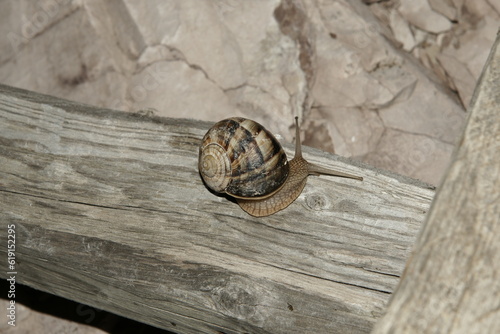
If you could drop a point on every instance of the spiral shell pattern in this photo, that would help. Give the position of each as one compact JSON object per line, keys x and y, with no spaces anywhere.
{"x":241,"y":158}
{"x":215,"y":167}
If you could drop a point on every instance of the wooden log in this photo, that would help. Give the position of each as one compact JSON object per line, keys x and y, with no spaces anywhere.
{"x":109,"y":210}
{"x":452,"y":282}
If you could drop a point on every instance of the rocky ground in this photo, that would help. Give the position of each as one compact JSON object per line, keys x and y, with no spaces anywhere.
{"x":384,"y":82}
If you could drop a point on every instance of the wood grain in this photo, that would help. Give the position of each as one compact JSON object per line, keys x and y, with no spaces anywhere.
{"x":452,"y":283}
{"x":110,"y":211}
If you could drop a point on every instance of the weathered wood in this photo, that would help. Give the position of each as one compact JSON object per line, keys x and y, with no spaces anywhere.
{"x":452,"y":282}
{"x":110,"y":211}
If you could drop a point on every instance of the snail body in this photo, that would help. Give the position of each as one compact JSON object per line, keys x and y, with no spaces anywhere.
{"x":241,"y":158}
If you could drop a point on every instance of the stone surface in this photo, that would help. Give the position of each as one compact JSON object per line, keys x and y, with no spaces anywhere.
{"x":456,"y":54}
{"x":397,"y":94}
{"x":31,"y":321}
{"x":420,"y":14}
{"x":402,"y":31}
{"x":464,"y":57}
{"x":327,"y":61}
{"x":411,"y":154}
{"x":445,"y":8}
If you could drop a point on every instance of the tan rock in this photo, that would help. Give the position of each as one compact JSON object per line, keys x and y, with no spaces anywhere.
{"x":353,"y":132}
{"x":266,"y":60}
{"x":30,"y":321}
{"x":401,"y":30}
{"x":437,"y":114}
{"x":397,"y":93}
{"x":184,"y":89}
{"x":463,"y":61}
{"x":417,"y":156}
{"x":420,"y":14}
{"x":24,"y":21}
{"x":204,"y":40}
{"x":69,"y":64}
{"x":445,"y":7}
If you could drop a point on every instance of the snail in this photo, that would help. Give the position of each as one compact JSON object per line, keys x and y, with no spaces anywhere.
{"x":242,"y":159}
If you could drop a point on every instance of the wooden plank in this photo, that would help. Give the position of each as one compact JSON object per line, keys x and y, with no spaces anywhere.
{"x":452,"y":283}
{"x":109,"y":210}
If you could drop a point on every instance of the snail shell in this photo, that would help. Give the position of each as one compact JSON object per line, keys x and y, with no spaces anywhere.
{"x":241,"y":158}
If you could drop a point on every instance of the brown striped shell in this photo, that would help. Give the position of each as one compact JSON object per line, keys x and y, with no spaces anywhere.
{"x":240,"y":157}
